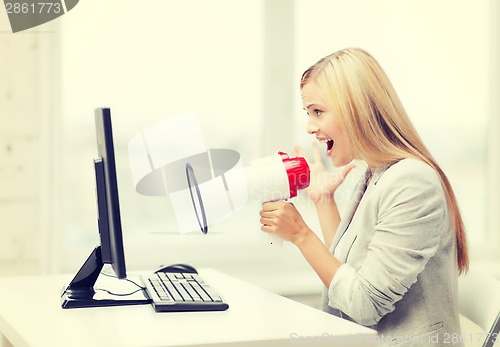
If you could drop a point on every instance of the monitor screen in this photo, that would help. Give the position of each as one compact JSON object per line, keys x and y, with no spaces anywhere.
{"x":81,"y":292}
{"x":108,"y":205}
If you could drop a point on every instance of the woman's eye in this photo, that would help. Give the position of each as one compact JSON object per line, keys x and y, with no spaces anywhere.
{"x":314,"y":112}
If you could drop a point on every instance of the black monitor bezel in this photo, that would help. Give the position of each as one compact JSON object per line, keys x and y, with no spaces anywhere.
{"x":110,"y":228}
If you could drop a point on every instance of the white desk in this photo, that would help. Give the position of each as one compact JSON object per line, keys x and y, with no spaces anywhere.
{"x":31,"y":315}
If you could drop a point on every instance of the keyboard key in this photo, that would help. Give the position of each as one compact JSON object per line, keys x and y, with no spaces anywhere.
{"x":204,"y":296}
{"x":197,"y":278}
{"x":185,"y":295}
{"x":192,"y":292}
{"x":162,"y":277}
{"x":173,"y":291}
{"x":165,"y":297}
{"x":171,"y":277}
{"x":212,"y":293}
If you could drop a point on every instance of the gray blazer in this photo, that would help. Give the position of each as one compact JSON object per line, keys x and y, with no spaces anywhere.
{"x":399,"y":271}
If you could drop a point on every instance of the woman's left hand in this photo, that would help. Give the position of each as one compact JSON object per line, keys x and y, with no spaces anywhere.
{"x":282,"y":219}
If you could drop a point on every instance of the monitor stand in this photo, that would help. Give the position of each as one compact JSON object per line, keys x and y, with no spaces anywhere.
{"x":81,"y":293}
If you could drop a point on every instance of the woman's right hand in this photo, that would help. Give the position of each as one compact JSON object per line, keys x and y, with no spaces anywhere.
{"x":323,"y":183}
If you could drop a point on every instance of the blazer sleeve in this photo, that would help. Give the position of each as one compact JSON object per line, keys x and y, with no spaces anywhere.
{"x":411,"y":212}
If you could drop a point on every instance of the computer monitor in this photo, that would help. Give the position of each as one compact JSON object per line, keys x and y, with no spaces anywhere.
{"x":81,"y":292}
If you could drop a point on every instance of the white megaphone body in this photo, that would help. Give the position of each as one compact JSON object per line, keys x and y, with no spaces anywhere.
{"x":276,"y":177}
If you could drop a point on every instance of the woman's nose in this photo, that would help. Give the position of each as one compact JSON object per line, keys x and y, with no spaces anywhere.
{"x":311,"y":127}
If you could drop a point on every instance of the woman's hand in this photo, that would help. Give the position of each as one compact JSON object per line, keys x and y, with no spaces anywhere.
{"x":282,"y":219}
{"x":323,"y":183}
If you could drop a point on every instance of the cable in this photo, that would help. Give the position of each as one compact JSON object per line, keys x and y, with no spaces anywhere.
{"x":118,"y":294}
{"x":126,"y":279}
{"x":121,"y":294}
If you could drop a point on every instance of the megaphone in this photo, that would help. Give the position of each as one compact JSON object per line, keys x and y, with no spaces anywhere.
{"x":276,"y":177}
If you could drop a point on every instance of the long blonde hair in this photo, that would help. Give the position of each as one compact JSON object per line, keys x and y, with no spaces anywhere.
{"x":372,"y":115}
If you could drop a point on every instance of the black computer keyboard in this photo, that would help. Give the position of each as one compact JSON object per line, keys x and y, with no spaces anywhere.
{"x":175,"y":292}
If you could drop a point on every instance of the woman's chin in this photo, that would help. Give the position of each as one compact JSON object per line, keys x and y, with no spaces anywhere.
{"x":339,"y":162}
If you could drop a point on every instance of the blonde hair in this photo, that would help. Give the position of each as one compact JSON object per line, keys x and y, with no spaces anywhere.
{"x":361,"y":95}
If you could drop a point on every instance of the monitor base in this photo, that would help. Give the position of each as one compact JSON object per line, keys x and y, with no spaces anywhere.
{"x":70,"y":299}
{"x":81,"y":292}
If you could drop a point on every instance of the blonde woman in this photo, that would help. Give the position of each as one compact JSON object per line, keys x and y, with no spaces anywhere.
{"x":392,"y":261}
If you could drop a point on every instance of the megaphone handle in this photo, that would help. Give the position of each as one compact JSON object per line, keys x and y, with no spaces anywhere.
{"x":275,"y":240}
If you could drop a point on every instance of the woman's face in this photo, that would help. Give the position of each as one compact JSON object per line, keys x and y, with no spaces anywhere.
{"x":324,"y":124}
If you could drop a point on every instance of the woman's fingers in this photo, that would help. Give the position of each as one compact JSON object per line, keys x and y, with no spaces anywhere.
{"x":299,"y":152}
{"x":266,"y":218}
{"x":345,"y":170}
{"x":316,"y":154}
{"x":272,"y":212}
{"x":272,"y":205}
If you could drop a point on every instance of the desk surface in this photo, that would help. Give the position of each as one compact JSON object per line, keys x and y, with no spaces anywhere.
{"x":31,"y":315}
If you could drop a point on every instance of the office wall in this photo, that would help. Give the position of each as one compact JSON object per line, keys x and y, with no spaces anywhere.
{"x":20,"y":155}
{"x":28,"y":76}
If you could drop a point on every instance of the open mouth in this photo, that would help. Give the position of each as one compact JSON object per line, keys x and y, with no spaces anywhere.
{"x":329,"y":146}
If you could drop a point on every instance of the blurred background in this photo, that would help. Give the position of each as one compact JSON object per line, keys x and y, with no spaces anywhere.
{"x":237,"y":64}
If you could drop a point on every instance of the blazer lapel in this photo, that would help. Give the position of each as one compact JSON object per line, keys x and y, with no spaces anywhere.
{"x":349,"y":211}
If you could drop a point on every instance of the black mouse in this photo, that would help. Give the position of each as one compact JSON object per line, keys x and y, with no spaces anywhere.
{"x":178,"y":268}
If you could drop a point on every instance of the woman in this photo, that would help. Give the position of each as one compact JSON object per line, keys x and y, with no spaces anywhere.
{"x":391,"y":263}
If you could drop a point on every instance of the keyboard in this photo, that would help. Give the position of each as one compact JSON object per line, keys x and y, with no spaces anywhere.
{"x":180,"y":292}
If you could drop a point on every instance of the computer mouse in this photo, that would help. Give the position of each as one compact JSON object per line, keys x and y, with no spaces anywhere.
{"x":178,"y":268}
